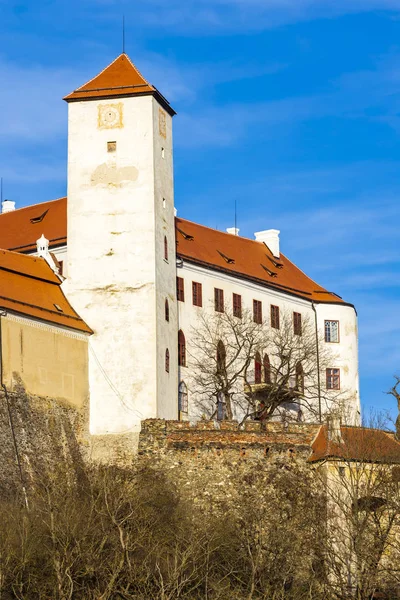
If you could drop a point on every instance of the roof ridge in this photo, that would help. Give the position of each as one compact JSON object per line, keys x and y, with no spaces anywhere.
{"x":32,"y":205}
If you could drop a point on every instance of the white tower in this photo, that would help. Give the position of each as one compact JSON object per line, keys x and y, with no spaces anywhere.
{"x":121,"y":245}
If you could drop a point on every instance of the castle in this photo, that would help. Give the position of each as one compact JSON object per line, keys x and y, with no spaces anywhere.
{"x":102,"y":290}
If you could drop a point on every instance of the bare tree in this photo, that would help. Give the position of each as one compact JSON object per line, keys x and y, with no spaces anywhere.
{"x":250,"y":370}
{"x":394,"y":391}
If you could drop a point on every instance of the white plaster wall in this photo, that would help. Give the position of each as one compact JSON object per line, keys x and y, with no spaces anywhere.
{"x":346,"y":353}
{"x":113,"y":265}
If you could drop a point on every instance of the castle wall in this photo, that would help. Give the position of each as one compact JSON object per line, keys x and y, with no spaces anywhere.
{"x":48,"y":361}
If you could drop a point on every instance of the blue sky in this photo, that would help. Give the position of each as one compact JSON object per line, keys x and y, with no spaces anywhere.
{"x":289,"y":107}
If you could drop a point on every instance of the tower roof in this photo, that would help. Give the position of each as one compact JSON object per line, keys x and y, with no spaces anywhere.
{"x":120,"y":78}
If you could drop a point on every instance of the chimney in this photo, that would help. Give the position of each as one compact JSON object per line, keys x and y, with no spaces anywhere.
{"x":233,"y":230}
{"x":42,"y":245}
{"x":7,"y":206}
{"x":270,"y":237}
{"x":334,"y":423}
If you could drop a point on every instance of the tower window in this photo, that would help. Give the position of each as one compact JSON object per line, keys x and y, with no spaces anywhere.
{"x":111,"y":146}
{"x":297,"y":323}
{"x":219,"y":300}
{"x":167,"y":360}
{"x":275,"y":316}
{"x":197,"y":293}
{"x":165,"y":248}
{"x":166,"y":310}
{"x":164,"y":203}
{"x":181,"y":349}
{"x":257,"y":311}
{"x":332,"y":331}
{"x":333,"y":379}
{"x":180,"y":289}
{"x":162,"y":153}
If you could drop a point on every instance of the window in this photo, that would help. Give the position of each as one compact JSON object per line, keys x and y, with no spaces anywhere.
{"x":257,"y":311}
{"x":61,"y":267}
{"x":299,"y":379}
{"x":267,"y":369}
{"x":111,"y":146}
{"x":166,"y":310}
{"x":275,"y":316}
{"x":180,"y":289}
{"x":167,"y":360}
{"x":257,"y":368}
{"x":181,"y":349}
{"x":165,"y":248}
{"x":183,"y":405}
{"x":237,"y":305}
{"x":219,"y":300}
{"x":333,"y":379}
{"x":221,"y":357}
{"x":197,"y":294}
{"x":164,"y":203}
{"x":331,"y":331}
{"x":297,"y":323}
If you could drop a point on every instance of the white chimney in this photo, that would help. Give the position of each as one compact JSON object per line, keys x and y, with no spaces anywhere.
{"x":334,"y":423}
{"x":270,"y":237}
{"x":42,"y":245}
{"x":7,"y":206}
{"x":233,"y":230}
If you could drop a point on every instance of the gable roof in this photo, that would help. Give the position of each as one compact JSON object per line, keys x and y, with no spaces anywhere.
{"x":358,"y":443}
{"x":120,"y":78}
{"x":234,"y":255}
{"x":29,"y":287}
{"x":249,"y":259}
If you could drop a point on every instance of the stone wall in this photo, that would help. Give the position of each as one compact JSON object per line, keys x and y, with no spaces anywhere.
{"x":212,"y":464}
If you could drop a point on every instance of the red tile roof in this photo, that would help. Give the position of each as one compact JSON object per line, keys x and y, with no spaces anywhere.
{"x":120,"y":78}
{"x":246,"y":258}
{"x":235,"y":255}
{"x":20,"y":229}
{"x":29,"y":287}
{"x":358,"y":443}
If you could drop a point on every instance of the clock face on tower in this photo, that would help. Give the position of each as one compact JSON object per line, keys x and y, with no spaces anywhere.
{"x":110,"y":116}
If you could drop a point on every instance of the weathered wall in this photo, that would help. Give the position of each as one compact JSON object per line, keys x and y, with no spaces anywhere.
{"x":47,"y":433}
{"x":209,"y":464}
{"x":48,"y":361}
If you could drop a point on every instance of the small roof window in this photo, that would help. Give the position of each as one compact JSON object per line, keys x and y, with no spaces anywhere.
{"x":40,"y":218}
{"x":58,"y":307}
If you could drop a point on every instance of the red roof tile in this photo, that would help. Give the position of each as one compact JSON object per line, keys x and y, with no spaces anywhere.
{"x":19,"y":229}
{"x":120,"y":78}
{"x":358,"y":443}
{"x":238,"y":256}
{"x":29,"y":287}
{"x":246,"y":258}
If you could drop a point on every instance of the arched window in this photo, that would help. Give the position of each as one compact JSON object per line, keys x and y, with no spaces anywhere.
{"x":181,"y":349}
{"x":166,"y":310}
{"x":267,"y":369}
{"x":299,"y":379}
{"x":257,"y":368}
{"x":165,"y":247}
{"x":221,"y":357}
{"x":167,"y":360}
{"x":183,"y":397}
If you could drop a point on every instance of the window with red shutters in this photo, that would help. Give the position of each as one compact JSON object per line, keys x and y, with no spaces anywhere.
{"x":197,"y":293}
{"x":299,"y":379}
{"x":257,"y":368}
{"x":167,"y":360}
{"x":165,"y":247}
{"x":221,"y":358}
{"x":180,"y":289}
{"x":237,"y":305}
{"x":333,"y":379}
{"x":219,"y":300}
{"x":267,"y":369}
{"x":275,"y":316}
{"x":181,"y":349}
{"x":297,"y":323}
{"x":257,"y":311}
